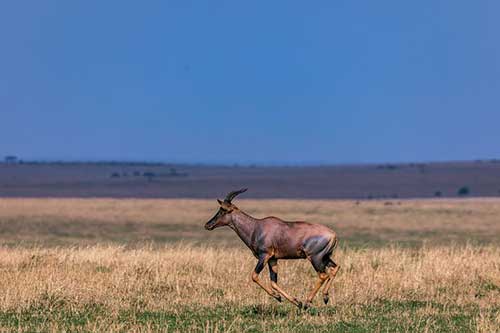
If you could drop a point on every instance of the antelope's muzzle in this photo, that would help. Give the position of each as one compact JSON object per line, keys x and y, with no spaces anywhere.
{"x":210,"y":225}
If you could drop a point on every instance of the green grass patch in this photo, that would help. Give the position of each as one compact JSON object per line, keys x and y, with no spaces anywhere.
{"x":382,"y":315}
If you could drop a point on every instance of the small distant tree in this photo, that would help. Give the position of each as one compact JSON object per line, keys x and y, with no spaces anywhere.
{"x":463,"y":191}
{"x":115,"y":175}
{"x":149,"y":175}
{"x":422,"y":168}
{"x":11,"y":159}
{"x":438,"y":194}
{"x":137,"y":173}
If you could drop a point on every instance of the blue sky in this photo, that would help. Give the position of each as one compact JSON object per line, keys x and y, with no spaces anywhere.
{"x":286,"y":82}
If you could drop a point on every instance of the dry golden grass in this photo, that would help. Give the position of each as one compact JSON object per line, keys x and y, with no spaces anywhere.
{"x":93,"y":221}
{"x":175,"y":278}
{"x":67,"y":265}
{"x":179,"y":275}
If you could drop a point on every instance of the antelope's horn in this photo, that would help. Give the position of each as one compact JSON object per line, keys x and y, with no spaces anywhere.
{"x":233,"y":194}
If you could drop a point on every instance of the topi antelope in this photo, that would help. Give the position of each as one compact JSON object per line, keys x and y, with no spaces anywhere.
{"x":271,"y":239}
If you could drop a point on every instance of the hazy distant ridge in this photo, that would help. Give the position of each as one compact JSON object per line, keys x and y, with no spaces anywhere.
{"x":163,"y":180}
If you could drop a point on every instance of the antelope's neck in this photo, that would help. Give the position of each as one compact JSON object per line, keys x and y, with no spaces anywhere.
{"x":244,"y":226}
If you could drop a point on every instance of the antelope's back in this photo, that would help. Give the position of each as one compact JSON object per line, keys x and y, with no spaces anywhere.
{"x":290,"y":240}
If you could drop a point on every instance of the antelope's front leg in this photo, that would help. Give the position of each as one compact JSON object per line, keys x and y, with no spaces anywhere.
{"x":255,"y":276}
{"x":273,"y":275}
{"x":273,"y":270}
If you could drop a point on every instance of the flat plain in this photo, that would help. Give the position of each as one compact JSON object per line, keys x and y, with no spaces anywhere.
{"x":123,"y":265}
{"x":160,"y":180}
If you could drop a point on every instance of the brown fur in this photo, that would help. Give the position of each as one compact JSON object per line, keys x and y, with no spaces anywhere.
{"x":271,"y":239}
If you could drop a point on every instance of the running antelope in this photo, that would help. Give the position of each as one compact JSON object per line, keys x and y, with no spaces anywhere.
{"x":271,"y":239}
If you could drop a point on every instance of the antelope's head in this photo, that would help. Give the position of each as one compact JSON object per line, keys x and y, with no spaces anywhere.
{"x":223,"y":215}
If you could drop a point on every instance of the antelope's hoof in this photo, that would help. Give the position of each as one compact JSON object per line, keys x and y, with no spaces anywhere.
{"x":278,"y":298}
{"x":300,"y":305}
{"x":307,"y":305}
{"x":326,"y":299}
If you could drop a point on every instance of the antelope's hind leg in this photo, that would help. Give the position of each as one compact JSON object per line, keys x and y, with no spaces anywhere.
{"x":255,"y":276}
{"x":273,"y":271}
{"x":320,"y":268}
{"x":332,"y":269}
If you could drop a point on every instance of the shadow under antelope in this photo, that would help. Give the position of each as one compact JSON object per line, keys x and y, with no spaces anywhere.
{"x":271,"y":239}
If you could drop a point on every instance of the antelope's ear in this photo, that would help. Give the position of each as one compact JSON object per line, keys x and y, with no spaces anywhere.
{"x":220,"y":202}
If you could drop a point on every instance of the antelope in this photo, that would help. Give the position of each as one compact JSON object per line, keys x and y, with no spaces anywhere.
{"x":271,"y":239}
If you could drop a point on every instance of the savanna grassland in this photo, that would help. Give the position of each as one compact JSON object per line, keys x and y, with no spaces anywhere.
{"x":148,"y":265}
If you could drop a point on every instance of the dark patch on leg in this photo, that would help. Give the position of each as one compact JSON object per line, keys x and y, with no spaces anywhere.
{"x":329,"y":262}
{"x":273,"y":269}
{"x":260,"y":264}
{"x":273,"y":275}
{"x":318,"y":264}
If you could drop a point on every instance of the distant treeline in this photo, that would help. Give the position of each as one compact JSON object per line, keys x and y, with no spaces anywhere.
{"x":99,"y":163}
{"x":12,"y":159}
{"x":38,"y":178}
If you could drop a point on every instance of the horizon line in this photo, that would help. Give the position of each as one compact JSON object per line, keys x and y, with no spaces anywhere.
{"x":242,"y":164}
